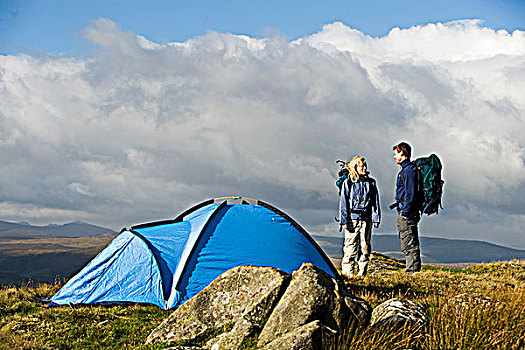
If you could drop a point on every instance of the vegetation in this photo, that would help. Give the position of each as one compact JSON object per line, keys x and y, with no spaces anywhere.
{"x":490,"y":316}
{"x":482,"y":307}
{"x":26,"y":324}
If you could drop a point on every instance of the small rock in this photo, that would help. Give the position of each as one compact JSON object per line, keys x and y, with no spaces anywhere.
{"x":398,"y":312}
{"x":359,"y":308}
{"x":466,"y":301}
{"x":472,"y":298}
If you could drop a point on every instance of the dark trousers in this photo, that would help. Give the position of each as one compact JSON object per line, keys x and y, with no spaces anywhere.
{"x":408,"y":235}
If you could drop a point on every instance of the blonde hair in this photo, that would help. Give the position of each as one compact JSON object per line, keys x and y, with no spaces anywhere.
{"x":353,"y":176}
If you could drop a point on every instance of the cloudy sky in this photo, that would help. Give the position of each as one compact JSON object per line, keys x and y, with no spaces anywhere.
{"x":119,"y":113}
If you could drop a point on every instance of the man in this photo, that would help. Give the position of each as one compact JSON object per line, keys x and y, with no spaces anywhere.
{"x":407,"y":207}
{"x":358,"y":211}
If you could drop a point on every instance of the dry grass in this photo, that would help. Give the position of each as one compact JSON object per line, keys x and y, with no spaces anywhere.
{"x":490,"y":316}
{"x":26,"y":324}
{"x":473,"y":323}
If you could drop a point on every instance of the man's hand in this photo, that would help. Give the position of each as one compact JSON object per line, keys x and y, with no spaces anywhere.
{"x":344,"y":227}
{"x":376,"y":224}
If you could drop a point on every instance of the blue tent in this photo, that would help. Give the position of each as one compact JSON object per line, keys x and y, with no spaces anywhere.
{"x":166,"y":263}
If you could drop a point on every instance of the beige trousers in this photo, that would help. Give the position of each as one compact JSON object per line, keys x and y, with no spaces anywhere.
{"x":357,"y":247}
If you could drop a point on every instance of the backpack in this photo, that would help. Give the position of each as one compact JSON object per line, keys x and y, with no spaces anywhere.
{"x":430,"y":184}
{"x":343,"y":174}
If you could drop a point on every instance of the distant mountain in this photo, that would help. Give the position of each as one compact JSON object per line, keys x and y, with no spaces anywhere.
{"x":23,"y":230}
{"x":433,"y":250}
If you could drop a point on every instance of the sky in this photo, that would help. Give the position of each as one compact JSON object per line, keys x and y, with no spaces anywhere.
{"x":123,"y":112}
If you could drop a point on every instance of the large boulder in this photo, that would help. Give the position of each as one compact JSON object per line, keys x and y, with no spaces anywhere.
{"x":398,"y":312}
{"x":313,"y":295}
{"x":243,"y":296}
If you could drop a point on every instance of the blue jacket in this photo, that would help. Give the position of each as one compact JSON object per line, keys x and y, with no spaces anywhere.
{"x":361,"y":197}
{"x":406,"y":189}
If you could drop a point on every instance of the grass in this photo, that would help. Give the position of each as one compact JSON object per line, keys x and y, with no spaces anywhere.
{"x":490,"y":316}
{"x":25,"y":324}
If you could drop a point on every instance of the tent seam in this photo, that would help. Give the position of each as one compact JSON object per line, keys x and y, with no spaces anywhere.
{"x":195,"y":244}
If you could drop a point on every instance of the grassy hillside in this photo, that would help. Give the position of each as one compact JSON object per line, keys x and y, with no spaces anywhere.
{"x":44,"y":259}
{"x":496,"y":323}
{"x":46,"y":253}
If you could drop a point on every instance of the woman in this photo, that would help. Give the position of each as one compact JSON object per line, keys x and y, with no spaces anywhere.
{"x":358,"y":211}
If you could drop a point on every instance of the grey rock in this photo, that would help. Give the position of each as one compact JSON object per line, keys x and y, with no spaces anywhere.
{"x":360,"y":309}
{"x":242,"y":330}
{"x":246,"y":292}
{"x":398,"y":312}
{"x":313,"y":295}
{"x":306,"y":337}
{"x":472,"y":298}
{"x":469,"y":301}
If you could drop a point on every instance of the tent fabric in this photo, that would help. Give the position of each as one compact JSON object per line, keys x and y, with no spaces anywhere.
{"x":166,"y":263}
{"x":125,"y":271}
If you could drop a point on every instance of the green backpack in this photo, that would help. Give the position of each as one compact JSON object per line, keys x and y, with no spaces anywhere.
{"x":430,"y":184}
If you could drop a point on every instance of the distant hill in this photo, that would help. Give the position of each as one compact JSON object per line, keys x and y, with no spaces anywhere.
{"x":45,"y":259}
{"x":12,"y":230}
{"x":433,"y":250}
{"x":41,"y":253}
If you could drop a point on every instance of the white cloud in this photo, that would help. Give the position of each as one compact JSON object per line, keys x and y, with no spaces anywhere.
{"x":141,"y":131}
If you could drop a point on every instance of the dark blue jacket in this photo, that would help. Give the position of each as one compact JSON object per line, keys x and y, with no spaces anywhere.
{"x":359,"y":197}
{"x":406,"y":189}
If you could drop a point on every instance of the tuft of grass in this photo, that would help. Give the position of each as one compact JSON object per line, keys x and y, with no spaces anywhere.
{"x":382,"y":338}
